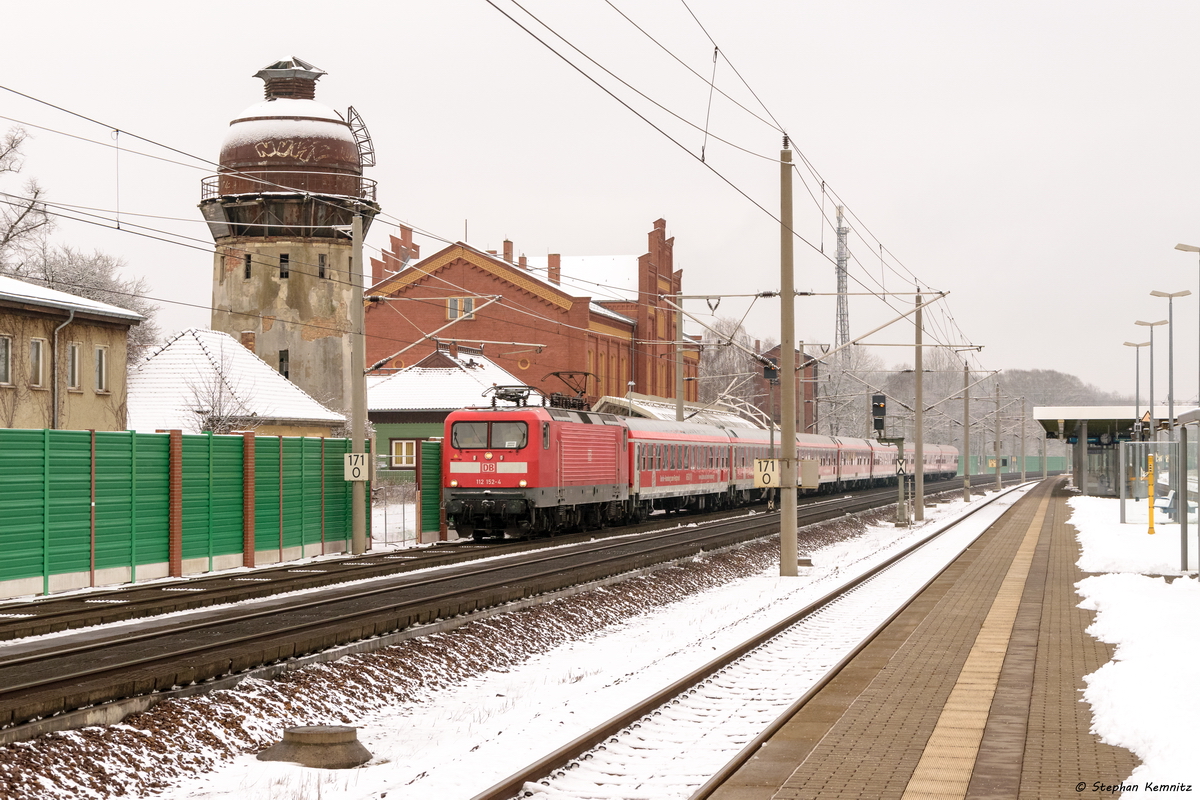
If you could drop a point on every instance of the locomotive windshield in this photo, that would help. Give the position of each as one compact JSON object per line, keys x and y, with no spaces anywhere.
{"x":474,"y":435}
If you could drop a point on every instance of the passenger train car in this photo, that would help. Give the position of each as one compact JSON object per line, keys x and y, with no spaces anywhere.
{"x":537,"y":470}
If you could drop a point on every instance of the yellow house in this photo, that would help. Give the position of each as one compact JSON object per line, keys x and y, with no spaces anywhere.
{"x":62,"y":359}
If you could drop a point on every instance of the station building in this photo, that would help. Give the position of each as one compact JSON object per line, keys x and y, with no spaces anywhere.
{"x":578,"y":325}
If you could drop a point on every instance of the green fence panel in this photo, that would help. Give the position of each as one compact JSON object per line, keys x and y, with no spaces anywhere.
{"x":266,"y":493}
{"x":22,"y":503}
{"x":431,"y":486}
{"x":293,"y":511}
{"x":310,"y":493}
{"x":152,"y":498}
{"x":70,"y":497}
{"x":227,"y":495}
{"x":197,"y":479}
{"x":114,"y":499}
{"x":337,"y":491}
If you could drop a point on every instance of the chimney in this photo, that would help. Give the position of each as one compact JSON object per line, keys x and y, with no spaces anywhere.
{"x":521,"y":263}
{"x":454,"y":349}
{"x":508,"y":250}
{"x":291,"y":78}
{"x":248,"y":340}
{"x":554,"y":268}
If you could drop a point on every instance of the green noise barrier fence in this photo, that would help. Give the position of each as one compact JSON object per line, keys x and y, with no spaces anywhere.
{"x":84,"y":508}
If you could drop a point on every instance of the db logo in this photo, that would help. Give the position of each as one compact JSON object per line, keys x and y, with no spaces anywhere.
{"x":485,"y":467}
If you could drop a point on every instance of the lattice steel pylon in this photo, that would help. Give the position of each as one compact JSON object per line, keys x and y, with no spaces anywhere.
{"x":843,"y":310}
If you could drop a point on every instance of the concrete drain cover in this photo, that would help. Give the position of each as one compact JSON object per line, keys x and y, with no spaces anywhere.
{"x":320,"y":746}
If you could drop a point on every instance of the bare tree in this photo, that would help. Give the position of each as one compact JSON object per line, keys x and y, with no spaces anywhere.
{"x":97,"y":276}
{"x":22,"y":215}
{"x":220,"y":403}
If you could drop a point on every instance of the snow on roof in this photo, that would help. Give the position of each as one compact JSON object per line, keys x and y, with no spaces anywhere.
{"x":290,"y":107}
{"x":199,"y":371}
{"x":19,"y":291}
{"x":453,"y":383}
{"x":597,"y":277}
{"x":664,"y":409}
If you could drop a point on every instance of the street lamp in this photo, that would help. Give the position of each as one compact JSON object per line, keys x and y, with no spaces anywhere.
{"x":1190,"y":248}
{"x":1137,"y":385}
{"x":1151,"y":326}
{"x":1171,"y":351}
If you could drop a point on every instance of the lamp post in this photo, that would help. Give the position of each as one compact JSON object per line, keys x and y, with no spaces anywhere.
{"x":1171,"y":351}
{"x":1191,"y":248}
{"x":1151,"y":326}
{"x":1137,"y":383}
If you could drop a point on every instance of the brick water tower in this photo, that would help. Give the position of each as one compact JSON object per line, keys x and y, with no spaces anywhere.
{"x":280,"y":210}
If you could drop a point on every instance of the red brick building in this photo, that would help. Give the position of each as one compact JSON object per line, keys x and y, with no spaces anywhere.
{"x":600,"y":315}
{"x":806,"y":392}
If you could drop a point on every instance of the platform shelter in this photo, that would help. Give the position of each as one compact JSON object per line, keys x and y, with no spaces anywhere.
{"x":1094,"y":433}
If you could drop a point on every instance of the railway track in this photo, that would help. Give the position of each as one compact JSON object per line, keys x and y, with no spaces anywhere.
{"x":20,"y":619}
{"x":723,"y":671}
{"x":50,"y":676}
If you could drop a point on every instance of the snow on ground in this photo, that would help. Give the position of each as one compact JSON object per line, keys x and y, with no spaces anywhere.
{"x":453,"y":709}
{"x":1145,"y":699}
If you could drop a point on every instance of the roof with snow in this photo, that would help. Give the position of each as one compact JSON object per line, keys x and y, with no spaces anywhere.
{"x":201,"y":372}
{"x":661,"y":408}
{"x":18,"y":291}
{"x":439,"y":382}
{"x":598,"y":277}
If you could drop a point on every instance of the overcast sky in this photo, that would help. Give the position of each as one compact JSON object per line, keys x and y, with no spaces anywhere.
{"x":1036,"y":160}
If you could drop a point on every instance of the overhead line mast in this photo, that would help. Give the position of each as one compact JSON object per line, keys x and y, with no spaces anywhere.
{"x":842,"y":335}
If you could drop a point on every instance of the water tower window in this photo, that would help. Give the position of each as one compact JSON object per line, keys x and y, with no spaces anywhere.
{"x":246,"y":266}
{"x":284,"y":266}
{"x":283,"y":363}
{"x":321,"y":265}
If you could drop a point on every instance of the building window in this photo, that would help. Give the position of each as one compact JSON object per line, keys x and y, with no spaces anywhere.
{"x":404,"y":454}
{"x":246,"y":266}
{"x":101,"y":369}
{"x":460,"y":308}
{"x":284,"y":365}
{"x":284,"y":265}
{"x":73,"y":377}
{"x":37,"y":359}
{"x":5,"y":360}
{"x":321,"y":265}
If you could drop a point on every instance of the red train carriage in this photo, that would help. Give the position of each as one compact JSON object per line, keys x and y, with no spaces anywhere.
{"x":678,"y":465}
{"x":532,"y":470}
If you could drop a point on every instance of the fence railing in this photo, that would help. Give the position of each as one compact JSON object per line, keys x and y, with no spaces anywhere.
{"x":88,"y":508}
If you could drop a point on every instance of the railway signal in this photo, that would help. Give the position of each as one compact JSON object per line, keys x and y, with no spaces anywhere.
{"x":878,"y":410}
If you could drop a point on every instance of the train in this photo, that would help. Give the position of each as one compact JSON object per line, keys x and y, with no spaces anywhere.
{"x":527,"y":471}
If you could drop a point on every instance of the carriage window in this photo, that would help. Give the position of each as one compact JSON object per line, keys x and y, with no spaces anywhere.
{"x":509,"y":435}
{"x":545,"y":435}
{"x":469,"y":435}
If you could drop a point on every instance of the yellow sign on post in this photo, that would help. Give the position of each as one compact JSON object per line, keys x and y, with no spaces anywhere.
{"x":766,"y":473}
{"x":1150,"y":481}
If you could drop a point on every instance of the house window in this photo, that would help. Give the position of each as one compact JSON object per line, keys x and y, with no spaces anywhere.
{"x":284,"y":265}
{"x":284,"y":364}
{"x":5,"y":359}
{"x":101,"y":369}
{"x":37,"y":358}
{"x":460,"y":308}
{"x":74,"y":380}
{"x":321,"y":265}
{"x":404,"y":454}
{"x":246,"y":266}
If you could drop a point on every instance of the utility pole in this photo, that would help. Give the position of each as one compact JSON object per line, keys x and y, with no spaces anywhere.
{"x":966,"y":432}
{"x":358,"y":389}
{"x":919,"y":444}
{"x":999,"y":483}
{"x":679,"y":358}
{"x":788,"y":553}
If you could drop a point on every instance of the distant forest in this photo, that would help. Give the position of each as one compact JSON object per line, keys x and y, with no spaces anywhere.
{"x":1047,"y":387}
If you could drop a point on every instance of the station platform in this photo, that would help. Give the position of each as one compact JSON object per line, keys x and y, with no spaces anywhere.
{"x":973,"y":691}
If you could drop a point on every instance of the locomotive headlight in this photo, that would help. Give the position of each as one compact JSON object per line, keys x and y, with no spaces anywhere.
{"x":453,"y":484}
{"x":487,"y":456}
{"x":522,"y":483}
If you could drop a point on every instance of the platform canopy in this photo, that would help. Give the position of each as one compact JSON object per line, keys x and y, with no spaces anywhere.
{"x":1113,"y":422}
